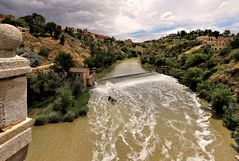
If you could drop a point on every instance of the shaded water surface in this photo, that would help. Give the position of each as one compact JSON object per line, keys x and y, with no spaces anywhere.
{"x":145,"y":118}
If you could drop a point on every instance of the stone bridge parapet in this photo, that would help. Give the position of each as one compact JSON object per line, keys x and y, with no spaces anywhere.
{"x":15,"y":127}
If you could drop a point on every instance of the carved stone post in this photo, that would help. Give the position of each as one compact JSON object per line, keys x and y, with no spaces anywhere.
{"x":15,"y":127}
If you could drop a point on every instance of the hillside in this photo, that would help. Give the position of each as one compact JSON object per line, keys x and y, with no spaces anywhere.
{"x":181,"y":53}
{"x":53,"y":47}
{"x":43,"y":41}
{"x":207,"y":68}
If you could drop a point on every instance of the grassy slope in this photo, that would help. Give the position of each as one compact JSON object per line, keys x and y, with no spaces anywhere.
{"x":71,"y":46}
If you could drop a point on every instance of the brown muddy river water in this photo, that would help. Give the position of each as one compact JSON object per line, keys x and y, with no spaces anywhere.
{"x":153,"y":118}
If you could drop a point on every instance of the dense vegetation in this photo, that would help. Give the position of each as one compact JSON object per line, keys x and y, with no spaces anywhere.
{"x":204,"y":71}
{"x":37,"y":25}
{"x":194,"y":64}
{"x":59,"y":96}
{"x":104,"y":50}
{"x":61,"y":92}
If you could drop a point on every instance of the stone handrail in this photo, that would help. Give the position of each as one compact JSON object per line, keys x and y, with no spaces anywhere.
{"x":15,"y":127}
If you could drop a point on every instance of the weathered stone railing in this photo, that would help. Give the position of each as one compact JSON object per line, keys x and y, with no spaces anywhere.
{"x":15,"y":127}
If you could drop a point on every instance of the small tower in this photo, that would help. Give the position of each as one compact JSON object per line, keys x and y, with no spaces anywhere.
{"x":15,"y":127}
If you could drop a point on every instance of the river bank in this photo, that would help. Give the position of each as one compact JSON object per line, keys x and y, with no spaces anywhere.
{"x":143,"y":104}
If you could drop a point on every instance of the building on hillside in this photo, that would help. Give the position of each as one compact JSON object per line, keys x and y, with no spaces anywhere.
{"x":215,"y":43}
{"x":102,"y":37}
{"x":89,"y":77}
{"x":2,"y":17}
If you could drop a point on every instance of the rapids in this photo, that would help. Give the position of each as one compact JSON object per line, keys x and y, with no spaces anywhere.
{"x":152,"y":118}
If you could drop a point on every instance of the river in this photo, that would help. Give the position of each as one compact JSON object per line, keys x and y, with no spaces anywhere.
{"x":152,"y":117}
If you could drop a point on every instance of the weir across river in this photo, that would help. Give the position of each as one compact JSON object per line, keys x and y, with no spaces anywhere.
{"x":124,"y":77}
{"x":135,"y":115}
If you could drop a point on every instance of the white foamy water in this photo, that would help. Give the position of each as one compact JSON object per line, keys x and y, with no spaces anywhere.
{"x":151,"y":117}
{"x":154,"y":118}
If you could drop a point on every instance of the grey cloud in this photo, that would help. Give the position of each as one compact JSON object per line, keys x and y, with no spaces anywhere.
{"x":121,"y":17}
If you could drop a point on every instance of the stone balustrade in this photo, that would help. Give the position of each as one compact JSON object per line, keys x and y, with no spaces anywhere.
{"x":15,"y":127}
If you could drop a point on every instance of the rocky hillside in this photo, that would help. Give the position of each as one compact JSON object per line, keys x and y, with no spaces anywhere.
{"x":53,"y":47}
{"x":43,"y":41}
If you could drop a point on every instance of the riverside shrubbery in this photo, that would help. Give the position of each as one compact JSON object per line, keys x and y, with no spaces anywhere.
{"x":200,"y":70}
{"x":66,"y":106}
{"x":69,"y":116}
{"x":54,"y":117}
{"x":41,"y":120}
{"x":67,"y":97}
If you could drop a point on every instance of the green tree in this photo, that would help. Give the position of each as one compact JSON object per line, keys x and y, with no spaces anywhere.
{"x":76,"y":87}
{"x":63,"y":62}
{"x":205,"y":90}
{"x":195,"y":60}
{"x":42,"y":86}
{"x":36,"y":23}
{"x":227,"y":33}
{"x":21,"y":22}
{"x":225,"y":51}
{"x":9,"y":21}
{"x":64,"y":100}
{"x":235,"y":42}
{"x":221,"y":98}
{"x":193,"y":76}
{"x":231,"y":116}
{"x":183,"y":33}
{"x":57,"y":32}
{"x":35,"y":19}
{"x":51,"y":28}
{"x":37,"y":30}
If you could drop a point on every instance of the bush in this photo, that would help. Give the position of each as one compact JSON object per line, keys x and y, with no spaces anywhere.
{"x":227,"y":59}
{"x":63,"y":62}
{"x":211,"y":63}
{"x":42,"y":87}
{"x":195,"y":60}
{"x":69,"y":116}
{"x":64,"y":101}
{"x":225,"y":51}
{"x":44,"y":52}
{"x":221,"y":98}
{"x":235,"y":135}
{"x":34,"y":59}
{"x":41,"y":120}
{"x":83,"y":111}
{"x":193,"y":76}
{"x":235,"y":42}
{"x":80,"y":106}
{"x":205,"y":90}
{"x":236,"y":56}
{"x":231,"y":116}
{"x":76,"y":87}
{"x":54,"y":117}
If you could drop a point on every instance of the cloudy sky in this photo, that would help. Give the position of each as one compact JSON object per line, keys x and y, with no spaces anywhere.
{"x":136,"y":19}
